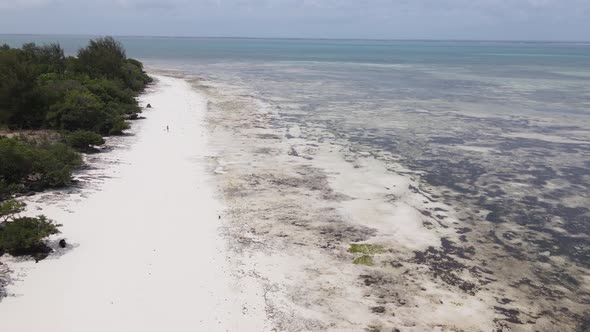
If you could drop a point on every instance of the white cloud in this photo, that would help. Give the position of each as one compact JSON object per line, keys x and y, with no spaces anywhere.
{"x":494,"y":19}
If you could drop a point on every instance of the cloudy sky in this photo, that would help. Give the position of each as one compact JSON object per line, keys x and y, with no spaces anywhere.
{"x":390,"y":19}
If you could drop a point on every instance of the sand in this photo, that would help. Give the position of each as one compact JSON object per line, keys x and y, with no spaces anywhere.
{"x":145,"y":250}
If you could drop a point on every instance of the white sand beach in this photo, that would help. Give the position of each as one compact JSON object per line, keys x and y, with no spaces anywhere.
{"x":145,"y":251}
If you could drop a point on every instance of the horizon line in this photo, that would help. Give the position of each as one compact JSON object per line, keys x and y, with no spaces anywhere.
{"x":301,"y":38}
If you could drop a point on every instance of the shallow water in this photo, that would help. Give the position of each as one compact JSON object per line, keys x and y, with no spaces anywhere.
{"x":498,"y":130}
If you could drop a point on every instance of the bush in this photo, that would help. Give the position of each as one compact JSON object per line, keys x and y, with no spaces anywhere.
{"x":21,"y":105}
{"x":83,"y":140}
{"x":34,"y":166}
{"x":103,"y":57}
{"x":54,"y":165}
{"x":77,"y":110}
{"x":41,"y":88}
{"x":24,"y":236}
{"x":10,"y":208}
{"x":16,"y":160}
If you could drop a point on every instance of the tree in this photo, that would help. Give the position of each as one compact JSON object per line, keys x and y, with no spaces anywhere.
{"x":24,"y":236}
{"x":77,"y":110}
{"x":103,"y":57}
{"x":16,"y":160}
{"x":9,"y":209}
{"x":83,"y":140}
{"x":41,"y":88}
{"x":35,"y":165}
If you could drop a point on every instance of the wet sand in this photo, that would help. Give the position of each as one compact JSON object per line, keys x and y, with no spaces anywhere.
{"x":301,"y":193}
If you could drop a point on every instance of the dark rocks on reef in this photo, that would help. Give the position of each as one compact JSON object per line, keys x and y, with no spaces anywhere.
{"x":149,"y":106}
{"x":62,"y":243}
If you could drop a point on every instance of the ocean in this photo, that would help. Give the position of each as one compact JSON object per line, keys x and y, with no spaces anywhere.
{"x":500,"y":131}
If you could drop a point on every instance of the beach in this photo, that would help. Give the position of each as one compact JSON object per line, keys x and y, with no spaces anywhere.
{"x":145,"y":252}
{"x":225,"y":211}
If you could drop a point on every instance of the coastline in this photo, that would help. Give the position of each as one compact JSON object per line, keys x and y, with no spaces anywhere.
{"x":287,"y":205}
{"x":144,"y":250}
{"x":300,"y":197}
{"x":297,"y":208}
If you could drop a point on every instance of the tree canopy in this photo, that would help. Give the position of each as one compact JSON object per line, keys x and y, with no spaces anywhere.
{"x":82,"y":97}
{"x":42,"y":88}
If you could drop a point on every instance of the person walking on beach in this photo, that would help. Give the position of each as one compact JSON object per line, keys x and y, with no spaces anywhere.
{"x":167,"y":128}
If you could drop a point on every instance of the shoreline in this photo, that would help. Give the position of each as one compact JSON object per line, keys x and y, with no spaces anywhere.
{"x":299,"y":206}
{"x":309,"y":231}
{"x":301,"y":197}
{"x":143,"y":231}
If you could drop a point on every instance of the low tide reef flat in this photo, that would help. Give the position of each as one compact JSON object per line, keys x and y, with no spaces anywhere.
{"x":300,"y":192}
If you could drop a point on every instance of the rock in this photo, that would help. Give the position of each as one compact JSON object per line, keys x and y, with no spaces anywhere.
{"x":62,"y":243}
{"x":378,"y":310}
{"x":149,"y":106}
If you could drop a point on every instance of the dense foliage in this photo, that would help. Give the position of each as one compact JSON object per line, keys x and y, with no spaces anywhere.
{"x":23,"y":235}
{"x":83,"y":97}
{"x":83,"y":140}
{"x":29,"y":165}
{"x":42,"y":88}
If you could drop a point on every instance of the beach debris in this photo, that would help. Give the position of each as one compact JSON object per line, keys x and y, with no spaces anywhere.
{"x":364,"y":260}
{"x":62,"y":243}
{"x":367,"y":249}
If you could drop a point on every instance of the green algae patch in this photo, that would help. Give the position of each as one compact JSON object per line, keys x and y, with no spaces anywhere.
{"x":364,"y":260}
{"x":366,"y":249}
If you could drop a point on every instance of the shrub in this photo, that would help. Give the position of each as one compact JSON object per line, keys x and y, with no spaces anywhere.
{"x":20,"y":236}
{"x":54,"y":164}
{"x":41,"y":88}
{"x":83,"y":140}
{"x":21,"y":105}
{"x":77,"y":110}
{"x":24,"y":236}
{"x":16,"y":160}
{"x":35,"y":165}
{"x":10,"y":208}
{"x":117,"y":126}
{"x":7,"y":189}
{"x":103,"y":57}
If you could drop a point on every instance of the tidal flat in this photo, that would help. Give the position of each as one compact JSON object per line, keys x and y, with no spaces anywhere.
{"x":485,"y":214}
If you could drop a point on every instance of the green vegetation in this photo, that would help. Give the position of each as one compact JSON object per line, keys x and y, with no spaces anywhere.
{"x":27,"y":165}
{"x":83,"y":140}
{"x":42,"y":88}
{"x":364,"y":260}
{"x":83,"y":97}
{"x":10,"y":208}
{"x":23,"y":235}
{"x":367,"y":249}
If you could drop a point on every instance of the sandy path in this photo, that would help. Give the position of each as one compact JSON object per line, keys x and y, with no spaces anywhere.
{"x":147,"y":252}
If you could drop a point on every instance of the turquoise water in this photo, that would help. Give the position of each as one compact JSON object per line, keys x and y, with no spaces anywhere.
{"x":498,"y":126}
{"x":217,"y":50}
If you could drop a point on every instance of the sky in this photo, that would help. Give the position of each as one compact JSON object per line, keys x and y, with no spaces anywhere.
{"x":380,"y":19}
